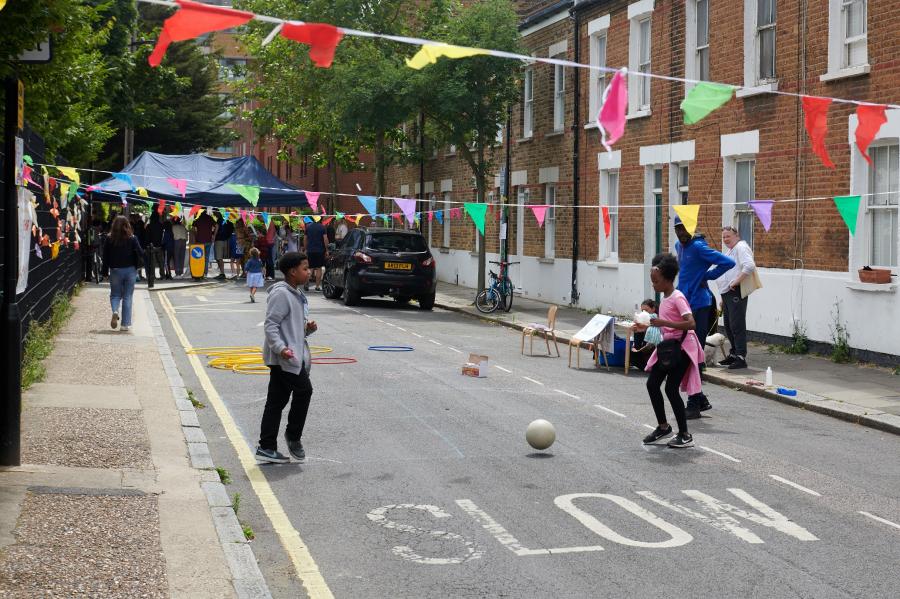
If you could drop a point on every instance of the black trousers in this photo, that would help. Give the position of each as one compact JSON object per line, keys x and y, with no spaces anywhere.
{"x":153,"y":259}
{"x":702,"y":318}
{"x":281,"y":386}
{"x":735,"y":308}
{"x":673,"y":381}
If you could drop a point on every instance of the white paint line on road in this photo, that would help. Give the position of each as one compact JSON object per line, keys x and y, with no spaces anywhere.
{"x":401,"y":329}
{"x":533,"y":381}
{"x":202,"y":298}
{"x":367,"y":315}
{"x":605,"y":409}
{"x":566,"y":394}
{"x":503,"y":369}
{"x":795,"y":485}
{"x":213,"y":310}
{"x":454,"y":349}
{"x":381,"y":321}
{"x":418,"y":335}
{"x":260,"y":323}
{"x":882,"y":520}
{"x":652,"y":428}
{"x":719,"y":453}
{"x":390,"y":324}
{"x":435,"y":342}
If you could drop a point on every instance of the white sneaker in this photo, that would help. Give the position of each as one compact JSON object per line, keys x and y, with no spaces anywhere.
{"x":114,"y":321}
{"x":125,"y":329}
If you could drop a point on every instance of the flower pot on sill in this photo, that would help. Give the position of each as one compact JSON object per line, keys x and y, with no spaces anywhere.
{"x":874,"y":275}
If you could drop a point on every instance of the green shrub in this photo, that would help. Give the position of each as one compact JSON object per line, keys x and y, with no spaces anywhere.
{"x":840,"y":337}
{"x":39,"y":340}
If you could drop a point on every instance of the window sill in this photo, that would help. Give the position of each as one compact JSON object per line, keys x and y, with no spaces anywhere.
{"x":546,"y":260}
{"x":444,"y":250}
{"x":856,"y":71}
{"x":746,"y":92}
{"x":638,"y":114}
{"x":524,"y":140}
{"x":554,"y":134}
{"x":872,"y":287}
{"x":591,"y":125}
{"x":607,"y":265}
{"x":473,"y":254}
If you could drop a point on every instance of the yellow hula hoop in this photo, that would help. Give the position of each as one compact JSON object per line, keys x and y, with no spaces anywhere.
{"x":243,"y":360}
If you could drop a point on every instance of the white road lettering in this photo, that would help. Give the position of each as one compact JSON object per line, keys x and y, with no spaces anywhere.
{"x":677,"y":536}
{"x":719,"y":520}
{"x":795,"y":485}
{"x":766,"y":516}
{"x":403,"y":551}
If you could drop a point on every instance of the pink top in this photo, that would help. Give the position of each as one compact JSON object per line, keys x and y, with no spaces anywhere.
{"x":674,"y":308}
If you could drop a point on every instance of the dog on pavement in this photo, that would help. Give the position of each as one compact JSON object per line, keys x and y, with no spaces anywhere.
{"x":715,"y":344}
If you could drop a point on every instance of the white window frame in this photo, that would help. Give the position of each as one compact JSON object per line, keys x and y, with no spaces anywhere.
{"x":744,"y":219}
{"x":679,"y":194}
{"x":609,"y":246}
{"x":523,"y":198}
{"x":874,"y":204}
{"x":559,"y":51}
{"x":445,"y":242}
{"x":838,"y":67}
{"x":735,"y":148}
{"x":693,"y":59}
{"x":528,"y":104}
{"x":753,"y":83}
{"x":598,"y":45}
{"x":550,"y":221}
{"x":639,"y":89}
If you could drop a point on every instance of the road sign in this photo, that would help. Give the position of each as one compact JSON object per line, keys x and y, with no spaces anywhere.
{"x":42,"y":53}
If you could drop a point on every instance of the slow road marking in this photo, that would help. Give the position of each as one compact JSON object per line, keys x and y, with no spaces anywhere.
{"x":304,"y":564}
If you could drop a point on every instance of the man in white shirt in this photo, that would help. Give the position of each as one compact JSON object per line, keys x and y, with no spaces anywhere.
{"x":735,"y":306}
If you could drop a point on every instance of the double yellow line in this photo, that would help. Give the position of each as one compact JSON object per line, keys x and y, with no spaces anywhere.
{"x":304,"y":564}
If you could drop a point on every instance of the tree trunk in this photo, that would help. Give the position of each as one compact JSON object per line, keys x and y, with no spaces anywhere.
{"x":332,"y":169}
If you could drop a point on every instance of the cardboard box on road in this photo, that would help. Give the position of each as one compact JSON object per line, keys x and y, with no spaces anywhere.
{"x":477,"y":366}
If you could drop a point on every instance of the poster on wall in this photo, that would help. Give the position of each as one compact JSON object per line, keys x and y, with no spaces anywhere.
{"x":26,"y":220}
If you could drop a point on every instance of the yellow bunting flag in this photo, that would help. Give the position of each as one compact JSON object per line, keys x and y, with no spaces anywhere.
{"x":688,"y":215}
{"x":429,"y":53}
{"x":70,"y":173}
{"x":142,"y":191}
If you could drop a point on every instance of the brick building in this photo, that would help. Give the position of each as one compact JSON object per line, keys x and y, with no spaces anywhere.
{"x":754,"y":147}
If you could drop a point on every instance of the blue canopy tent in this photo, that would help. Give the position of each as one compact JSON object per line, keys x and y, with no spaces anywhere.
{"x":207,"y":181}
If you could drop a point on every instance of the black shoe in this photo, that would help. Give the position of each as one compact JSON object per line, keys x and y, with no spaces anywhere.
{"x":657,"y":434}
{"x":295,"y":448}
{"x":220,"y":277}
{"x":727,"y":361}
{"x":272,"y":456}
{"x":681,"y":440}
{"x":692,"y":413}
{"x":738,"y":363}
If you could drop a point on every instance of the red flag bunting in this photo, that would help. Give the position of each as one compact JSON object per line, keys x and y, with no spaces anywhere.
{"x":321,"y":38}
{"x":815,"y":112}
{"x":607,"y":224}
{"x":871,"y":118}
{"x":192,"y":20}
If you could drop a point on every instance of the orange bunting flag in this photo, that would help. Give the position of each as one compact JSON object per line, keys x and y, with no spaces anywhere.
{"x":815,"y":113}
{"x":192,"y":20}
{"x":321,"y":38}
{"x":871,"y":118}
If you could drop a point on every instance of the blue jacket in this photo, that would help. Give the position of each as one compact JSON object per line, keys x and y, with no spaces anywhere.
{"x":694,"y":262}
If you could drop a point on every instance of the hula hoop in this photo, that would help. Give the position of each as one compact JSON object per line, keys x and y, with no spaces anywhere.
{"x":247,"y":359}
{"x":390,"y":348}
{"x":333,"y":360}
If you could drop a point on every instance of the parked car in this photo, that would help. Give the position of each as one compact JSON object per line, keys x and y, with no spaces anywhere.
{"x":383,"y":262}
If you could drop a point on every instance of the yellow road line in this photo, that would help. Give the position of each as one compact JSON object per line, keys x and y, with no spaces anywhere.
{"x":304,"y":564}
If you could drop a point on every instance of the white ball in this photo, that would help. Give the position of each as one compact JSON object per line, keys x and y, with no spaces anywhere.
{"x":540,"y":434}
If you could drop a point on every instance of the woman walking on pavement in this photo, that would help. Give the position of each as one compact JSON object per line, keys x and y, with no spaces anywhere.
{"x":121,"y":259}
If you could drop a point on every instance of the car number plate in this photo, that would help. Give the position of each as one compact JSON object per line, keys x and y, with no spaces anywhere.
{"x":397,"y":266}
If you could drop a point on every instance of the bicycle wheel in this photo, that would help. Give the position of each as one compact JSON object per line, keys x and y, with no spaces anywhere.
{"x":507,"y":293}
{"x":487,"y":301}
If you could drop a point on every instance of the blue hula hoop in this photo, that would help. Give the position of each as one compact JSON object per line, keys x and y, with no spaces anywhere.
{"x":390,"y":348}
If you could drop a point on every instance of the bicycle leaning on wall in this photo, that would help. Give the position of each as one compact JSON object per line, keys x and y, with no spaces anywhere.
{"x":499,"y":294}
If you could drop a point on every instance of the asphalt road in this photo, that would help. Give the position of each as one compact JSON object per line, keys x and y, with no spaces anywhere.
{"x":419,"y":482}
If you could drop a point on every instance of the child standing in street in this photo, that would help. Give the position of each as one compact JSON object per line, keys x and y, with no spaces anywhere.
{"x":677,"y":357}
{"x":287,"y":355}
{"x":254,"y":269}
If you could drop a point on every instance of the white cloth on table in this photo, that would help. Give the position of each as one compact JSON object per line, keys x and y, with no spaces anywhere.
{"x":600,"y":329}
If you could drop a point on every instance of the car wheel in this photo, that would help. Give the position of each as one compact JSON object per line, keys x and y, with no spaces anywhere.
{"x":427,"y":302}
{"x":351,"y":295}
{"x":328,"y":289}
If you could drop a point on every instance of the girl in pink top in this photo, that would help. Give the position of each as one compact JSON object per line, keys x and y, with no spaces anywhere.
{"x":676,"y":322}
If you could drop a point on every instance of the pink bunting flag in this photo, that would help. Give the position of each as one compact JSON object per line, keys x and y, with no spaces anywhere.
{"x":455,"y":212}
{"x":312,"y":197}
{"x":540,"y":212}
{"x":763,"y":210}
{"x":430,"y":216}
{"x":179,"y":184}
{"x":408,"y":207}
{"x":611,"y":118}
{"x":244,"y":216}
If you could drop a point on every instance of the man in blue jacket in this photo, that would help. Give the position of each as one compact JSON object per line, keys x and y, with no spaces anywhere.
{"x":695,"y":259}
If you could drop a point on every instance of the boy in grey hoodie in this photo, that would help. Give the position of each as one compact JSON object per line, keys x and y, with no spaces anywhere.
{"x":287,"y":355}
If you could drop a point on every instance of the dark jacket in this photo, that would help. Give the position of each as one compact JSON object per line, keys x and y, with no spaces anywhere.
{"x":155,"y":232}
{"x":121,"y":255}
{"x":694,"y":262}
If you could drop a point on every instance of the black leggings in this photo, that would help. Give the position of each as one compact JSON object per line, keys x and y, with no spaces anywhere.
{"x":673,"y":381}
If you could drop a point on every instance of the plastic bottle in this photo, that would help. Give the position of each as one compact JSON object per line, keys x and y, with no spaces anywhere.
{"x":769,"y":377}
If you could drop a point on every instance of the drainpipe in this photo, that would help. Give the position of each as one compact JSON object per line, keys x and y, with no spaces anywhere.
{"x":421,"y":204}
{"x":504,"y":211}
{"x":576,"y":178}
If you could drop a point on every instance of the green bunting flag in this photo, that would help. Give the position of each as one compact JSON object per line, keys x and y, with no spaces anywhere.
{"x":476,"y":212}
{"x":848,"y":206}
{"x":703,"y":99}
{"x":249,"y":192}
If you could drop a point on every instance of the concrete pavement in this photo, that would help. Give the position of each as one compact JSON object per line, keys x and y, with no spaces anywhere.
{"x":116,"y":495}
{"x":862,"y":394}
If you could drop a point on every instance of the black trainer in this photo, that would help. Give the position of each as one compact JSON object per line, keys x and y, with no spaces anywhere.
{"x":681,"y":440}
{"x":272,"y":456}
{"x":738,"y":363}
{"x":657,"y":434}
{"x":727,"y":361}
{"x":295,"y":448}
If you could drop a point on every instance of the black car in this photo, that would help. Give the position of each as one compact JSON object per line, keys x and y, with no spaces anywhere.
{"x":384,"y":262}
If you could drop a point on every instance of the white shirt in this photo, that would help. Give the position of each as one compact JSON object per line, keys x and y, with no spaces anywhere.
{"x":743,"y":256}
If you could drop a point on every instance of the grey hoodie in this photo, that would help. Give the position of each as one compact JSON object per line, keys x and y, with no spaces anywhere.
{"x":286,"y":312}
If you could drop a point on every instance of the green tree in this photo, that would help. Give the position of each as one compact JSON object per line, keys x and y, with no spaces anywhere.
{"x":475,"y":92}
